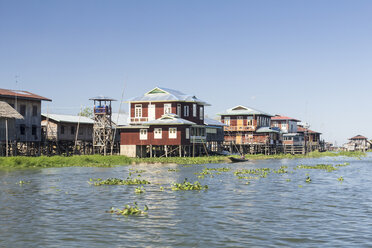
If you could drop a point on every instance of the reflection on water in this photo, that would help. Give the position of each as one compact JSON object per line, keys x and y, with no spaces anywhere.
{"x":59,"y":208}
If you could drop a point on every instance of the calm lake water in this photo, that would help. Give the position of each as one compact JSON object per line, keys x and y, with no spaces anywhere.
{"x":58,"y":207}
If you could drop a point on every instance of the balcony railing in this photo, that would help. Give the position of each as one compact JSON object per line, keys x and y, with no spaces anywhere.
{"x":137,"y":120}
{"x":198,"y":139}
{"x":240,"y":128}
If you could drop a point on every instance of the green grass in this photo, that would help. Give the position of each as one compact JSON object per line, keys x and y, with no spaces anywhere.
{"x":106,"y":161}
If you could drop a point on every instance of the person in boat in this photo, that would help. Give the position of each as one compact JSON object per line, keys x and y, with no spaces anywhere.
{"x":242,"y":156}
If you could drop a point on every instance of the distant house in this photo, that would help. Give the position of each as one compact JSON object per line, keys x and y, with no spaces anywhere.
{"x":284,"y":123}
{"x":164,"y":122}
{"x":312,"y":138}
{"x":63,"y":128}
{"x":358,"y":143}
{"x":8,"y":117}
{"x":246,"y":125}
{"x":27,"y":129}
{"x":288,"y":129}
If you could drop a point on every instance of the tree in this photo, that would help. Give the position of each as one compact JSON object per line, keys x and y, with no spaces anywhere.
{"x":87,"y":112}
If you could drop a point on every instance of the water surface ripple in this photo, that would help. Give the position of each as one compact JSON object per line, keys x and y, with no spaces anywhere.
{"x":58,"y":208}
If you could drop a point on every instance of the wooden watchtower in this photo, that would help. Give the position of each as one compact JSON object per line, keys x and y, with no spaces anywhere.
{"x":102,"y":127}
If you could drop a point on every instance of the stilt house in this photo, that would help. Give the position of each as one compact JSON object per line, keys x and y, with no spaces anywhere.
{"x":28,"y":129}
{"x":358,"y":143}
{"x":164,"y":122}
{"x":8,"y":116}
{"x":288,"y":129}
{"x":246,"y":125}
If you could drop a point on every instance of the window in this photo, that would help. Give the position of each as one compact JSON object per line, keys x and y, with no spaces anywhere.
{"x":81,"y":131}
{"x":194,"y":110}
{"x":23,"y":110}
{"x":22,"y":129}
{"x":33,"y":130}
{"x":201,"y":113}
{"x":138,"y":110}
{"x":173,"y":133}
{"x":186,"y":110}
{"x":227,"y":121}
{"x":179,"y":110}
{"x":143,"y":134}
{"x":34,"y":110}
{"x":62,"y":129}
{"x":72,"y":130}
{"x":167,"y":108}
{"x":157,"y":133}
{"x":187,"y":133}
{"x":249,"y":120}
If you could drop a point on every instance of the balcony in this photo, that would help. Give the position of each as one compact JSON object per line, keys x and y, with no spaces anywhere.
{"x":198,"y":139}
{"x":240,"y":128}
{"x":138,"y":120}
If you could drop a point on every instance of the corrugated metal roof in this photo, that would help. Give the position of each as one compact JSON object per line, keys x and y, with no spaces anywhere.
{"x":22,"y":94}
{"x":282,"y":117}
{"x":266,"y":130}
{"x":6,"y":111}
{"x":212,"y":122}
{"x":242,"y":110}
{"x":358,"y":137}
{"x":120,"y":119}
{"x":302,"y":130}
{"x":69,"y":118}
{"x":169,"y":119}
{"x":165,"y":94}
{"x":102,"y":98}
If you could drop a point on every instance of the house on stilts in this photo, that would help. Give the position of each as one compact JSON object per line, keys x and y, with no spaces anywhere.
{"x":248,"y":130}
{"x":164,"y":122}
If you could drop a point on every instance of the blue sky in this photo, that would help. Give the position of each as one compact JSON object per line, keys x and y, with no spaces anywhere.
{"x":310,"y":60}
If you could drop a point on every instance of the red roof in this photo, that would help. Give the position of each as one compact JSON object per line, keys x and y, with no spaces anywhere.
{"x":302,"y":130}
{"x":282,"y":118}
{"x":358,"y":137}
{"x":22,"y":94}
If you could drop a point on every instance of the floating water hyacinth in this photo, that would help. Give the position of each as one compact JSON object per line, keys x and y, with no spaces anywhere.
{"x":129,"y":210}
{"x":139,"y":190}
{"x":344,"y":164}
{"x":327,"y":167}
{"x":308,"y":180}
{"x":175,"y":170}
{"x":188,"y":186}
{"x":341,"y":179}
{"x":21,"y":182}
{"x":117,"y":181}
{"x":137,"y":171}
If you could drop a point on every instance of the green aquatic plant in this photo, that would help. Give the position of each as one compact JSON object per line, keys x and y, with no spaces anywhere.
{"x":175,"y":170}
{"x":341,"y":165}
{"x":308,"y":179}
{"x":21,"y":182}
{"x":327,"y":167}
{"x":137,"y":171}
{"x":288,"y":180}
{"x":341,"y":179}
{"x":188,"y":186}
{"x":139,"y":190}
{"x":117,"y":181}
{"x":129,"y":210}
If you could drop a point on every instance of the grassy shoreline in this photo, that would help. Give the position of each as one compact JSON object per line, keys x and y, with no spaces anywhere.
{"x":101,"y":161}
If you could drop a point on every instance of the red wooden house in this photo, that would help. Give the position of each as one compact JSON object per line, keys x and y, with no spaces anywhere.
{"x":248,"y":126}
{"x":164,"y":122}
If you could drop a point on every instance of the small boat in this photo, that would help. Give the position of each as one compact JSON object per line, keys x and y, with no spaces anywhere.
{"x":237,"y":160}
